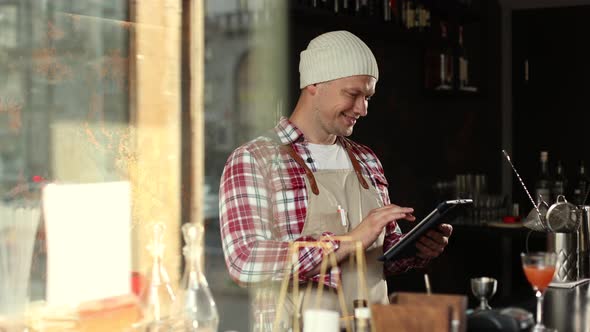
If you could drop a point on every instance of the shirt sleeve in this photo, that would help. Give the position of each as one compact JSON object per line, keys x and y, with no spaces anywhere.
{"x":252,"y":254}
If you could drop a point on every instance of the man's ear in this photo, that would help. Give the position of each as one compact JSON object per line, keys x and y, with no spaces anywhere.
{"x":312,"y":89}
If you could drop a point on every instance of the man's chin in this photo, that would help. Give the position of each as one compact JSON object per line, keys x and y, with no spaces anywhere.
{"x":347,"y":132}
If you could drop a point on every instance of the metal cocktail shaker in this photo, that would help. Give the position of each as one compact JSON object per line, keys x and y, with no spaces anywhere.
{"x":571,"y":246}
{"x":566,"y":247}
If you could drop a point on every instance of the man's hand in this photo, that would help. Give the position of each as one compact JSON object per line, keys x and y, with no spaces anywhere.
{"x":433,"y":243}
{"x":369,"y":229}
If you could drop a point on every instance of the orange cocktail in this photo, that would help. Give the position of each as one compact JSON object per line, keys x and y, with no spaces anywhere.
{"x":539,"y":268}
{"x":539,"y":276}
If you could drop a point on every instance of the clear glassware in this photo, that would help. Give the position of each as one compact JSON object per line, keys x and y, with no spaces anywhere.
{"x":539,"y":268}
{"x":158,"y":296}
{"x":195,"y":305}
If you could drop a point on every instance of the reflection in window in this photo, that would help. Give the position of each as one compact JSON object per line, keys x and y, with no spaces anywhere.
{"x":66,"y":105}
{"x":9,"y":25}
{"x":244,"y":89}
{"x":66,"y":90}
{"x":64,"y":99}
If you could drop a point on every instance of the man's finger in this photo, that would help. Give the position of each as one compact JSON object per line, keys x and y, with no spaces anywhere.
{"x":445,"y":229}
{"x":395,"y":215}
{"x":428,"y":242}
{"x":410,"y":217}
{"x":396,"y":208}
{"x":437,"y":237}
{"x":425,"y":252}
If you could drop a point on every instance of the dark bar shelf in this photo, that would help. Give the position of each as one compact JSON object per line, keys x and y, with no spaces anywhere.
{"x":451,"y":93}
{"x":389,"y":31}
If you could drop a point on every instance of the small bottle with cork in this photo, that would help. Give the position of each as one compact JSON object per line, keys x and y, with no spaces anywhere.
{"x":362,"y":316}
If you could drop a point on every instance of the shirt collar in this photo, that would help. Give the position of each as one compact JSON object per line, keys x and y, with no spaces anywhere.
{"x":287,"y":131}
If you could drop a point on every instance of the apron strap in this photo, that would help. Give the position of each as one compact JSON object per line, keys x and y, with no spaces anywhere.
{"x":355,"y":164}
{"x":308,"y":172}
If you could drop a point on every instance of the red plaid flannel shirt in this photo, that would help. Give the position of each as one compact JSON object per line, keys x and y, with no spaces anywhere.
{"x":263,"y":202}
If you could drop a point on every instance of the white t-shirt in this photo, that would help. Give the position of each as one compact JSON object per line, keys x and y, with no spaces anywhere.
{"x":331,"y":156}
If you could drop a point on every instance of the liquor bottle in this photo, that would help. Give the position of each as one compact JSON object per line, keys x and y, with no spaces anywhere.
{"x":447,"y":59}
{"x":410,"y":14}
{"x":463,"y":62}
{"x":580,"y":184}
{"x":386,"y":10}
{"x":419,"y":16}
{"x":427,"y":20}
{"x":403,"y":13}
{"x":364,"y":8}
{"x":362,"y":316}
{"x":544,"y":181}
{"x":438,"y":67}
{"x":560,"y":183}
{"x":345,"y":7}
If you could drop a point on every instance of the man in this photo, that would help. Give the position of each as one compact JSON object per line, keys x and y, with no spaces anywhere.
{"x":306,"y":181}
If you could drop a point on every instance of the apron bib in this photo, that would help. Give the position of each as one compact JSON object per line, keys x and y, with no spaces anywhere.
{"x":353,"y":192}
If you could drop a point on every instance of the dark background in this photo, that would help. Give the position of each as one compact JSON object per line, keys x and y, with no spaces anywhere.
{"x":420,"y":136}
{"x":550,"y":111}
{"x":424,"y":136}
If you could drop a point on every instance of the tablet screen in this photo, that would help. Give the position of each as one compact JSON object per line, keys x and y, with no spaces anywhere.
{"x":405,"y":247}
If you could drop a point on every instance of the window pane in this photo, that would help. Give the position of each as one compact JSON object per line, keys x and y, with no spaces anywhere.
{"x":64,"y":101}
{"x":245,"y":80}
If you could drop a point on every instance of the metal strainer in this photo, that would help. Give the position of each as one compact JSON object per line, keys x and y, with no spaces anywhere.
{"x":562,"y":216}
{"x":536,"y":219}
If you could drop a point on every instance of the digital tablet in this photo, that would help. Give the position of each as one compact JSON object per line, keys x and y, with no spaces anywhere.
{"x":406,"y":246}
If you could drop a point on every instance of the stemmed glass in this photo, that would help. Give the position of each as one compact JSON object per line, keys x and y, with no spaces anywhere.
{"x":539,"y":268}
{"x":483,"y":288}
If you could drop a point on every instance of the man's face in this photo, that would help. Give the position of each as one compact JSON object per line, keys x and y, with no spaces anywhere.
{"x":339,"y":103}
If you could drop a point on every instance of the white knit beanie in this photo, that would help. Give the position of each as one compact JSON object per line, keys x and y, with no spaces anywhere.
{"x":333,"y":55}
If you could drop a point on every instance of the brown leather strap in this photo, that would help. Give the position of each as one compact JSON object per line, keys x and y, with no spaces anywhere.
{"x":355,"y":164}
{"x":308,"y":172}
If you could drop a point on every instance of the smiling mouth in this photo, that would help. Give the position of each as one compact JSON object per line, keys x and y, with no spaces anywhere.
{"x":350,"y":119}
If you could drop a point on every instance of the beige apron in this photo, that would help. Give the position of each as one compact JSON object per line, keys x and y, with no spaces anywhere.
{"x":357,"y":196}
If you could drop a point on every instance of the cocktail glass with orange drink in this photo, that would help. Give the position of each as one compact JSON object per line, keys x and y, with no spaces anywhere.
{"x":539,"y":268}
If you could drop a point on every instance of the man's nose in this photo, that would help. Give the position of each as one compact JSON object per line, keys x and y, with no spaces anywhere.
{"x":360,"y":107}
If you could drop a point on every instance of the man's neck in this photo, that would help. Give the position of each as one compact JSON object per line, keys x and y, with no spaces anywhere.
{"x":301,"y":119}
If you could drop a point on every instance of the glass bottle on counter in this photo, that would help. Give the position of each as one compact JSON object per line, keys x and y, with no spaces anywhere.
{"x":447,"y":59}
{"x":560,"y":183}
{"x":195,"y":306}
{"x":463,"y":62}
{"x":580,"y":186}
{"x":362,"y":316}
{"x":438,"y":68}
{"x":544,"y":181}
{"x":157,"y":297}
